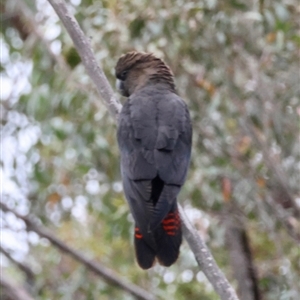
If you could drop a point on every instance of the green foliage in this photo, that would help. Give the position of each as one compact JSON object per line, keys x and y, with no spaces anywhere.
{"x":233,"y":61}
{"x":72,"y":57}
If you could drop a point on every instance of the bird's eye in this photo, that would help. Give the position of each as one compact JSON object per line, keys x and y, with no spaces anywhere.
{"x":123,"y":75}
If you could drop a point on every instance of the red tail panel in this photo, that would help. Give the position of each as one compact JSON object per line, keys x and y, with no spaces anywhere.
{"x":145,"y":255}
{"x":171,"y":223}
{"x":170,"y":239}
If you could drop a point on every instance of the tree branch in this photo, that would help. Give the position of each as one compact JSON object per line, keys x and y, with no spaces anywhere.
{"x":84,"y":50}
{"x":197,"y":245}
{"x":205,"y":260}
{"x":23,"y":267}
{"x":11,"y":291}
{"x":108,"y":275}
{"x":240,"y":254}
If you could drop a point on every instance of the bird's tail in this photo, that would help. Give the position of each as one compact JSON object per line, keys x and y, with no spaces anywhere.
{"x":168,"y":237}
{"x":145,"y":254}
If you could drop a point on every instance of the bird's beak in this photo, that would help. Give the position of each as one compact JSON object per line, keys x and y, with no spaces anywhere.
{"x":121,"y":88}
{"x":119,"y":85}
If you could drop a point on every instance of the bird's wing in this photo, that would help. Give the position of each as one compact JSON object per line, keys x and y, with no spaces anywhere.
{"x":155,"y":136}
{"x":174,"y":138}
{"x":136,"y":137}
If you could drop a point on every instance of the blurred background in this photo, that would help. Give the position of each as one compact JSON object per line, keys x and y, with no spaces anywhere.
{"x":236,"y":64}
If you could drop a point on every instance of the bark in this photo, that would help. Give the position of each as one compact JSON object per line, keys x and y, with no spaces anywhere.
{"x":240,"y":256}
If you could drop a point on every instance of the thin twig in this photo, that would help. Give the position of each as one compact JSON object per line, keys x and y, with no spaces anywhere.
{"x":290,"y":223}
{"x":279,"y":191}
{"x":197,"y":245}
{"x":108,"y":275}
{"x":268,"y":159}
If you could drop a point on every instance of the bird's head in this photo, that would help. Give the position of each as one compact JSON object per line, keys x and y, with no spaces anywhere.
{"x":136,"y":69}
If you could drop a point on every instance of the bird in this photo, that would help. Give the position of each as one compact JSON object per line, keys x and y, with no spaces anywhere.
{"x":155,"y":138}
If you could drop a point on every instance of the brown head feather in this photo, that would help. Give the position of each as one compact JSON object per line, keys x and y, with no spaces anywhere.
{"x":136,"y":69}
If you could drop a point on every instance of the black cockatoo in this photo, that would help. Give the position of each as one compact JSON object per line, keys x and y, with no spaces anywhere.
{"x":154,"y":137}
